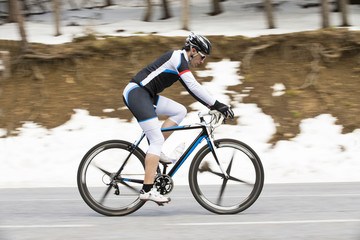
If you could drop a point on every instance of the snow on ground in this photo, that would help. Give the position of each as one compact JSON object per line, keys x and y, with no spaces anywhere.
{"x":39,"y":157}
{"x":124,"y":19}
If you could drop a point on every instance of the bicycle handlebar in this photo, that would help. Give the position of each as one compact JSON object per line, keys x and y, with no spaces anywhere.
{"x":217,"y":117}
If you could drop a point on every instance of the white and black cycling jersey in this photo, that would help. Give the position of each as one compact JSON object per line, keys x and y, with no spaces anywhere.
{"x":166,"y":70}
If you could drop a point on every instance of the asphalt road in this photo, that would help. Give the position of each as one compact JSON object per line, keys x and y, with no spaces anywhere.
{"x":283,"y":211}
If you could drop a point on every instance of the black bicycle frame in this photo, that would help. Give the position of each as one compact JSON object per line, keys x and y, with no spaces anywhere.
{"x":203,"y":134}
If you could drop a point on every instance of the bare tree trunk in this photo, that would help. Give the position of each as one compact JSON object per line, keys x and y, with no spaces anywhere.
{"x":25,"y":6}
{"x":337,"y":6}
{"x":57,"y":17}
{"x":343,"y":6}
{"x":269,"y":13}
{"x":108,"y":3}
{"x":325,"y":13}
{"x":166,"y":10}
{"x":216,"y":8}
{"x":185,"y":14}
{"x":20,"y":20}
{"x":148,"y":13}
{"x":12,"y":14}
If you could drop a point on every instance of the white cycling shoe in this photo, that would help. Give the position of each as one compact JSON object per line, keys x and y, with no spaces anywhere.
{"x":154,"y":195}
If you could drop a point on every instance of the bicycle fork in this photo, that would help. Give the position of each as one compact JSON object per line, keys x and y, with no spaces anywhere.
{"x":210,"y":140}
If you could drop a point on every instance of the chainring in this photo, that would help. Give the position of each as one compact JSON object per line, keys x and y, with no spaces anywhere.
{"x":164,"y":183}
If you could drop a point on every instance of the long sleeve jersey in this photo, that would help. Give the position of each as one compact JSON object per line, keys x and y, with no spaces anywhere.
{"x":166,"y":70}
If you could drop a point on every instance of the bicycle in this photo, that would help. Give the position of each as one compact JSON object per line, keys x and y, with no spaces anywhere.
{"x":226,"y":176}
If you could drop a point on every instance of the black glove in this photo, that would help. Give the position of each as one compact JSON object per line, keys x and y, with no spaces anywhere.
{"x":224,"y":109}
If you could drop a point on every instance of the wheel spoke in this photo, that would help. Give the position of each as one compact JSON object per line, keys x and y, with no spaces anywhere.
{"x":239,"y":180}
{"x":231,"y":177}
{"x":228,"y":170}
{"x":206,"y":168}
{"x":241,"y":176}
{"x":105,"y":186}
{"x":105,"y":194}
{"x":223,"y":186}
{"x":215,"y":173}
{"x":222,"y":176}
{"x":103,"y":170}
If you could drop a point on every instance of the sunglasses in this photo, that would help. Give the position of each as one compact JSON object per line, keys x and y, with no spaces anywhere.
{"x":201,"y":55}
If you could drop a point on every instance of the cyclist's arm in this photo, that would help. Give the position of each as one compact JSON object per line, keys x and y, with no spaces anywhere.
{"x":188,"y":80}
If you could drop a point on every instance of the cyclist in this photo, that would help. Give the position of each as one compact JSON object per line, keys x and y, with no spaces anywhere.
{"x":141,"y":97}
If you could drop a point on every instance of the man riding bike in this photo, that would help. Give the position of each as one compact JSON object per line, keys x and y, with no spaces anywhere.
{"x":141,"y":97}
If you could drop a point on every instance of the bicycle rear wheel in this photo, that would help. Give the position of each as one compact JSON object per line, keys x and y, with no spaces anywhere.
{"x":226,"y":195}
{"x":100,"y":186}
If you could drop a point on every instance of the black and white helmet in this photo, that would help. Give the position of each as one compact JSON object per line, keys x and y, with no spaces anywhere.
{"x":199,"y":42}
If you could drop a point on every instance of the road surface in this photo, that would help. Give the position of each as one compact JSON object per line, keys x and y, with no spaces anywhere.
{"x":283,"y":211}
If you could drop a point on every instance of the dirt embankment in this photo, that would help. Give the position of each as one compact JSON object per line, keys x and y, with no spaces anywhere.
{"x":320,"y":70}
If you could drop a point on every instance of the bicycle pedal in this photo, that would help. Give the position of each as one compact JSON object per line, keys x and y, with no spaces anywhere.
{"x":161,"y":203}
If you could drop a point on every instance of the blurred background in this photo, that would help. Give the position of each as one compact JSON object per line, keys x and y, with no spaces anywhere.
{"x":290,"y":69}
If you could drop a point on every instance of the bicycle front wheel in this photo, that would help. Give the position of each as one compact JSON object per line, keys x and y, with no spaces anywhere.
{"x":239,"y":190}
{"x":110,"y":177}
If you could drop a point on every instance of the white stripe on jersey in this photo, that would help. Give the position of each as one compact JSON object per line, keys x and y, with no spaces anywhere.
{"x":168,"y":65}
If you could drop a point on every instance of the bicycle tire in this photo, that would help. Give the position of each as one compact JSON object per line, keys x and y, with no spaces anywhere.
{"x":95,"y":174}
{"x":218,"y":194}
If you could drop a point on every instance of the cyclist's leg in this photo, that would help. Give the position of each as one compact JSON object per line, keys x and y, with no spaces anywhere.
{"x":151,"y":128}
{"x":153,"y":132}
{"x":140,"y":104}
{"x":175,"y":110}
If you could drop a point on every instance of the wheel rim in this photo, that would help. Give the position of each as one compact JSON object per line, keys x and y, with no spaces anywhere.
{"x":98,"y":187}
{"x":232,"y":195}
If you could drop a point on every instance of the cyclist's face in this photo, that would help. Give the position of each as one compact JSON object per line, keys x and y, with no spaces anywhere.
{"x":198,"y":58}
